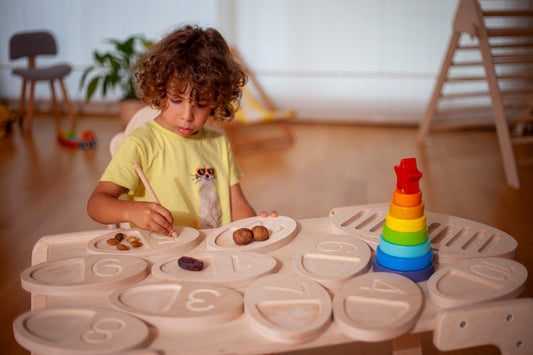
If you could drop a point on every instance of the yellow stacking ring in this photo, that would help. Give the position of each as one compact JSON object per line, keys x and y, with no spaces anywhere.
{"x":405,"y":225}
{"x":406,"y":212}
{"x":406,"y":200}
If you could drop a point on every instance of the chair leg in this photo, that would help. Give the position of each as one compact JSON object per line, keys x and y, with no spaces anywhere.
{"x":70,"y":114}
{"x":29,"y":116}
{"x":55,"y":107}
{"x":22,"y":104}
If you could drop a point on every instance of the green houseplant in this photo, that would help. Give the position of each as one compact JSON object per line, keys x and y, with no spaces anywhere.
{"x":113,"y":70}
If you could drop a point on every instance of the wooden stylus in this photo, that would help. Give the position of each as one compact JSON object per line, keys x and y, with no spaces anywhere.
{"x":149,"y":188}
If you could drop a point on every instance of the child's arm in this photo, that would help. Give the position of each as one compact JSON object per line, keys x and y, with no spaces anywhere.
{"x":104,"y":206}
{"x":240,"y":207}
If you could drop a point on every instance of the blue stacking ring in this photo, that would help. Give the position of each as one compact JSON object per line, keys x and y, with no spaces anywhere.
{"x":404,"y":264}
{"x":415,"y":276}
{"x":404,"y":251}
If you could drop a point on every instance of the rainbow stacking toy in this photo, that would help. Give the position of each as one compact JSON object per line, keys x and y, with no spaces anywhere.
{"x":404,"y":247}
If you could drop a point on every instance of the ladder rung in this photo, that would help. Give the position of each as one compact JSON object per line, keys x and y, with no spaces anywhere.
{"x":466,"y":64}
{"x":508,"y":13}
{"x":506,"y":61}
{"x":474,"y":109}
{"x":517,"y":94}
{"x":523,"y":76}
{"x":447,"y":124}
{"x":522,"y":140}
{"x":463,"y":110}
{"x":498,"y":46}
{"x":506,"y":95}
{"x":510,"y":32}
{"x":506,"y":56}
{"x":464,"y":95}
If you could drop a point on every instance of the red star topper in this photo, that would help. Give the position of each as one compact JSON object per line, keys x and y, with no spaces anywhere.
{"x":407,"y":176}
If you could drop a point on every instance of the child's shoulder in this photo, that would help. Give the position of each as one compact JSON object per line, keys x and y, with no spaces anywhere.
{"x":147,"y":127}
{"x":213,"y":133}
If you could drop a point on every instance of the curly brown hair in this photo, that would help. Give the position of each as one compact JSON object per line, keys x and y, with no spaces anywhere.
{"x":196,"y":58}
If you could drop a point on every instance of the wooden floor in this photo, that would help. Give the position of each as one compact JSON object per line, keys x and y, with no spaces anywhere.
{"x":46,"y":186}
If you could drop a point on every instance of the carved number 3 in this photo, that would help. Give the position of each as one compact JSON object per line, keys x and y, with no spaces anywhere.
{"x":102,"y":330}
{"x":193,"y":300}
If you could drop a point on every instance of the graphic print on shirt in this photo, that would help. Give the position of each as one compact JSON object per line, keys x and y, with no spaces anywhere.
{"x":209,"y":205}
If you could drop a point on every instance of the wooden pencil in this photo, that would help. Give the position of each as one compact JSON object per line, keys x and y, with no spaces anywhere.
{"x":148,"y":187}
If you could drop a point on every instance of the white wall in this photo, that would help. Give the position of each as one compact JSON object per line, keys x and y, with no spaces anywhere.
{"x":347,"y":59}
{"x":80,"y":26}
{"x":342,"y":60}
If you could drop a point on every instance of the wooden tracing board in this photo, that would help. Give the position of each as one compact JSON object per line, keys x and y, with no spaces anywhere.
{"x":88,"y":274}
{"x":65,"y":331}
{"x":281,"y":232}
{"x":230,"y":268}
{"x":309,"y":285}
{"x":452,"y":238}
{"x":153,"y":244}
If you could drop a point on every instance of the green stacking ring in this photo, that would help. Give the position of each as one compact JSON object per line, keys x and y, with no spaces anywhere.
{"x":404,"y":238}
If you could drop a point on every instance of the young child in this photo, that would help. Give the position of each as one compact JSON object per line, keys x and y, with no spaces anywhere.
{"x":190,"y":75}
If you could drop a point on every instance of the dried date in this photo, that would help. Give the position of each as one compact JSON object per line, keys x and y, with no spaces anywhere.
{"x":190,"y":264}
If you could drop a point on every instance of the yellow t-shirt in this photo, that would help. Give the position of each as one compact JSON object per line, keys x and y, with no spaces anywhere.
{"x":191,"y":176}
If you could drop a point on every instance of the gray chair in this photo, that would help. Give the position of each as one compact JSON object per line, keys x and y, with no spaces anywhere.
{"x":32,"y":44}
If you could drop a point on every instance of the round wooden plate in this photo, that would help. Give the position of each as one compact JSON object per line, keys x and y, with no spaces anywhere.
{"x":331,"y":259}
{"x":231,"y":268}
{"x":475,"y":281}
{"x":377,"y":306}
{"x":84,"y":275}
{"x":153,"y":244}
{"x":281,"y":231}
{"x":452,"y":238}
{"x":179,"y":305}
{"x":287,"y":308}
{"x":67,"y":331}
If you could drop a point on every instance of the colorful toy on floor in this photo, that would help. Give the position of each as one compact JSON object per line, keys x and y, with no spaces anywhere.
{"x":404,"y":247}
{"x":69,"y":138}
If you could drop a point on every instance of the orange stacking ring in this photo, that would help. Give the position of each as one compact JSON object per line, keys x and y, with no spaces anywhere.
{"x":405,"y":225}
{"x":406,"y":212}
{"x":406,"y":200}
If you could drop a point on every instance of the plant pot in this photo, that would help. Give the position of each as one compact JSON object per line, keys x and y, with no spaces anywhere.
{"x":127,"y":108}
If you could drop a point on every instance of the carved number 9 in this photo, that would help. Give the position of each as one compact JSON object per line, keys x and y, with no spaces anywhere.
{"x":336,"y":247}
{"x":107,"y":267}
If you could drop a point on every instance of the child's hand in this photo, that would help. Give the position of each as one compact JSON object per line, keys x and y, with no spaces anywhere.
{"x":153,"y":217}
{"x":272,"y":214}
